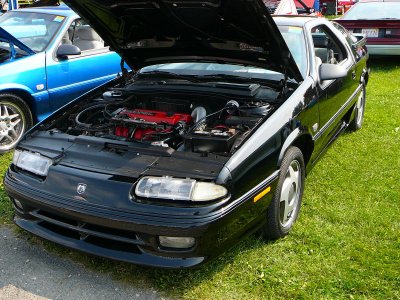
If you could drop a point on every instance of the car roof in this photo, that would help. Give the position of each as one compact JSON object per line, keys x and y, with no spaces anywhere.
{"x":61,"y":10}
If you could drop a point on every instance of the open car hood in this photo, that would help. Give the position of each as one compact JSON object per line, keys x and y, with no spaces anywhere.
{"x":8,"y":38}
{"x":163,"y":31}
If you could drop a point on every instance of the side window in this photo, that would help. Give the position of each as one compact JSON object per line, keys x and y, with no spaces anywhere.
{"x":83,"y":36}
{"x":357,"y":50}
{"x":326,"y":47}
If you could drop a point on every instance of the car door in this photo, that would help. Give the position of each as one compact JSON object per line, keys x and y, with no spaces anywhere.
{"x":71,"y":77}
{"x":334,"y":95}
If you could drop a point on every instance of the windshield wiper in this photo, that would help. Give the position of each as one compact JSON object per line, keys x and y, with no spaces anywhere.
{"x":168,"y":75}
{"x":227,"y":76}
{"x":238,"y":78}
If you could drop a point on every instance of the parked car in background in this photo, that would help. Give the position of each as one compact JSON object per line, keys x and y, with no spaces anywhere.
{"x":333,"y":7}
{"x":290,"y":7}
{"x":379,"y":20}
{"x":48,"y":57}
{"x":209,"y":141}
{"x":344,"y":5}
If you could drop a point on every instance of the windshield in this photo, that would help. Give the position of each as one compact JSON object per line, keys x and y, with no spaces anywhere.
{"x":292,"y":35}
{"x":373,"y":11}
{"x":35,"y":30}
{"x":294,"y":38}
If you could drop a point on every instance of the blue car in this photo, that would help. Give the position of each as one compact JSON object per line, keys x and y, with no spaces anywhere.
{"x":48,"y":57}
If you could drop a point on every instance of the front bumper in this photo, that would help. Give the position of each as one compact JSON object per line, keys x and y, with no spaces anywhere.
{"x":383,"y":49}
{"x":133,"y":236}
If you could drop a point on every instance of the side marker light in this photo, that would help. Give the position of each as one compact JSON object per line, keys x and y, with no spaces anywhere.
{"x":262,"y":194}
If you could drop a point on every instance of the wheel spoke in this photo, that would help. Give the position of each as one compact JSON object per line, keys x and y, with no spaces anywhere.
{"x":5,"y":111}
{"x":294,"y":175}
{"x":290,"y":207}
{"x":285,"y":198}
{"x":285,"y":190}
{"x":16,"y":122}
{"x":361,"y":106}
{"x":13,"y":116}
{"x":7,"y":136}
{"x":12,"y":131}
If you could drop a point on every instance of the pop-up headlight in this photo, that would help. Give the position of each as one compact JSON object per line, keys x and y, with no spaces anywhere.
{"x":32,"y":162}
{"x":179,"y":189}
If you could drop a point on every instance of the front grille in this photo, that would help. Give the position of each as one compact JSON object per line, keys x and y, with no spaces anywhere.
{"x":105,"y":237}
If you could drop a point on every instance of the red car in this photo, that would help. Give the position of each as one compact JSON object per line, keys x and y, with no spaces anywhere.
{"x":344,"y":5}
{"x":379,"y":20}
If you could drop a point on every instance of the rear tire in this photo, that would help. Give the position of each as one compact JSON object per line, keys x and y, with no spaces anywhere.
{"x":15,"y":119}
{"x":359,"y":110}
{"x":286,"y":202}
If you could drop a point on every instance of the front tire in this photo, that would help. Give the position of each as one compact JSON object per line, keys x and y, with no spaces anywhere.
{"x":285,"y":206}
{"x":15,"y":119}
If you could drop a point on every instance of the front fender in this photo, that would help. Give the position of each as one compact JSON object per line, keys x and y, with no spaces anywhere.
{"x":16,"y":86}
{"x":38,"y":102}
{"x":292,"y":140}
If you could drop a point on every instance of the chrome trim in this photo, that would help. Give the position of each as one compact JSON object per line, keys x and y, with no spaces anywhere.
{"x":331,"y":120}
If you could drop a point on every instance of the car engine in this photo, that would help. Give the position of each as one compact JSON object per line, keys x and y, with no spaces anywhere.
{"x":179,"y":124}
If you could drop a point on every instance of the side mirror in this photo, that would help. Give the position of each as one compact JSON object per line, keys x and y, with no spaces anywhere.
{"x":330,"y":71}
{"x":361,"y":41}
{"x":359,"y":36}
{"x":66,"y":50}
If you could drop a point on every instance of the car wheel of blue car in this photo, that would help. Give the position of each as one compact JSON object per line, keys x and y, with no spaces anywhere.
{"x":15,"y":119}
{"x":286,"y":203}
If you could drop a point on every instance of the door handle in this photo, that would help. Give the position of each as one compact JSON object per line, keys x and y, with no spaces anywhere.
{"x":353,"y":74}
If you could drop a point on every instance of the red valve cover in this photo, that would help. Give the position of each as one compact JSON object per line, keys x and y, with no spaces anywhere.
{"x":154,"y":116}
{"x":158,"y":117}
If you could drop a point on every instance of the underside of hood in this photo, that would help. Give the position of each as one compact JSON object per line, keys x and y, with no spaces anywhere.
{"x":8,"y":38}
{"x":162,"y":31}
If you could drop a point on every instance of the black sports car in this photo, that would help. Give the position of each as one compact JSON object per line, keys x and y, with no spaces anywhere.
{"x":208,"y":139}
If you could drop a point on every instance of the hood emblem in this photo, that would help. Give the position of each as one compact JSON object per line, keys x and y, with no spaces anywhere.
{"x":81,"y":188}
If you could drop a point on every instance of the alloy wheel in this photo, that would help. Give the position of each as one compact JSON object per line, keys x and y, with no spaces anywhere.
{"x":360,"y":108}
{"x":11,"y":125}
{"x":290,"y":194}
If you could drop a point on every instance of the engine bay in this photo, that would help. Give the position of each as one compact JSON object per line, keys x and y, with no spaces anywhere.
{"x":192,"y":123}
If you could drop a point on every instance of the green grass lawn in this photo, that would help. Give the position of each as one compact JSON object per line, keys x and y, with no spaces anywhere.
{"x":5,"y":207}
{"x":346,"y":243}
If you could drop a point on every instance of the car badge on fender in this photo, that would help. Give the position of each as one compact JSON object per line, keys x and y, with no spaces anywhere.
{"x":81,"y":188}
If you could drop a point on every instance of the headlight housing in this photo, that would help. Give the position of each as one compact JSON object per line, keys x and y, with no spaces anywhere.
{"x":179,"y":189}
{"x":32,"y":162}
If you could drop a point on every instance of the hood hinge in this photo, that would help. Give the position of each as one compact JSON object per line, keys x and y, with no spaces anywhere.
{"x":283,"y":83}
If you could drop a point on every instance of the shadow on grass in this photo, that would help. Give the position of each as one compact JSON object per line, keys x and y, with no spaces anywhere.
{"x":384,"y":63}
{"x":170,"y":282}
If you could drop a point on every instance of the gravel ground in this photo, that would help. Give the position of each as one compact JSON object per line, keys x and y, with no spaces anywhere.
{"x":29,"y":272}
